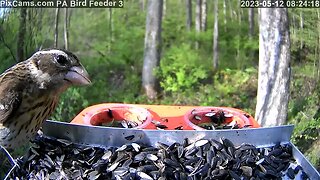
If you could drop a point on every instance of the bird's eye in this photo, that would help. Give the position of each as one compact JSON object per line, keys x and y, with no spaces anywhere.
{"x":62,"y":60}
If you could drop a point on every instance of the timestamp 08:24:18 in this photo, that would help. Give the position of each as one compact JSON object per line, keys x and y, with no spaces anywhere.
{"x":279,"y":3}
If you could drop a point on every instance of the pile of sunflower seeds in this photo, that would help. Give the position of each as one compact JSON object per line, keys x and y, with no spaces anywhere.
{"x":122,"y":124}
{"x":50,"y":158}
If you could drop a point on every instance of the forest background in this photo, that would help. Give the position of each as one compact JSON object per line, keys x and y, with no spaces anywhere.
{"x":110,"y":44}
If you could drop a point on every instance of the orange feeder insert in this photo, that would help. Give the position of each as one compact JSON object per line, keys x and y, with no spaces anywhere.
{"x":118,"y":115}
{"x":163,"y":117}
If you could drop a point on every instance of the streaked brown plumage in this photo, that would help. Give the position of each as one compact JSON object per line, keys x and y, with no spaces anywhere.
{"x":29,"y":92}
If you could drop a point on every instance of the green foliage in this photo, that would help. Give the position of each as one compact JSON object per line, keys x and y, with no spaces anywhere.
{"x":313,"y":155}
{"x":307,"y":129}
{"x":70,"y":102}
{"x":8,"y":27}
{"x":304,"y":113}
{"x":180,"y":69}
{"x":237,"y":88}
{"x":232,"y":88}
{"x":304,"y":46}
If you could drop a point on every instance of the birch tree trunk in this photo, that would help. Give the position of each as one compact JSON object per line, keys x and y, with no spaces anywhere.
{"x":301,"y":30}
{"x":293,"y":25}
{"x":142,"y":4}
{"x":215,"y":37}
{"x":251,"y":28}
{"x":56,"y":27}
{"x":66,"y":29}
{"x":274,"y":67}
{"x":204,"y":15}
{"x":232,"y":12}
{"x":152,"y":48}
{"x":198,"y":16}
{"x":251,"y":21}
{"x":225,"y":15}
{"x":318,"y":46}
{"x":21,"y":34}
{"x":110,"y":30}
{"x":189,"y":14}
{"x":164,"y":8}
{"x":239,"y":43}
{"x":198,"y":20}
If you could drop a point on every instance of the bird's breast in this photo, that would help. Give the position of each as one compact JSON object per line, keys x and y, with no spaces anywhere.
{"x":27,"y":121}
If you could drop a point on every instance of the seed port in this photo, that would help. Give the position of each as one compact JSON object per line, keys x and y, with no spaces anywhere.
{"x":215,"y":118}
{"x":120,"y":116}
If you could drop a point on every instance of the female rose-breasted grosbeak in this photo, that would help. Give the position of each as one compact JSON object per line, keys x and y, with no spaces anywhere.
{"x":29,"y":92}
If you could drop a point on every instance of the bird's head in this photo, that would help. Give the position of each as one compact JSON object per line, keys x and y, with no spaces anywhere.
{"x":57,"y":69}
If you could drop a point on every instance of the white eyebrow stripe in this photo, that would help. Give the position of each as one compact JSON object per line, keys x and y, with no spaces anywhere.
{"x":52,"y":51}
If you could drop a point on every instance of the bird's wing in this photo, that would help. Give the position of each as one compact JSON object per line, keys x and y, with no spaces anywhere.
{"x":10,"y":98}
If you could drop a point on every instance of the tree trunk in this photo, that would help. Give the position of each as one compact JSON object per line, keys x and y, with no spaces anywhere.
{"x":198,"y":16}
{"x":142,"y":4}
{"x":66,"y":28}
{"x":164,"y":9}
{"x":110,"y":30}
{"x":301,"y":49}
{"x":293,"y":26}
{"x":152,"y":48}
{"x":318,"y":46}
{"x":215,"y":37}
{"x":251,"y":22}
{"x":251,"y":29}
{"x":239,"y":43}
{"x":198,"y":19}
{"x":225,"y":15}
{"x":204,"y":15}
{"x":21,"y":35}
{"x":56,"y":27}
{"x":274,"y":67}
{"x":232,"y":12}
{"x":301,"y":29}
{"x":189,"y":14}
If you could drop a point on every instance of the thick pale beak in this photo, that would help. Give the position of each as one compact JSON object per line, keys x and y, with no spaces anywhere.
{"x":77,"y":75}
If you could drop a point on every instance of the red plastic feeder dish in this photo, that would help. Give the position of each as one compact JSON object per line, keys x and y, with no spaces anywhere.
{"x":211,"y":118}
{"x":119,"y":115}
